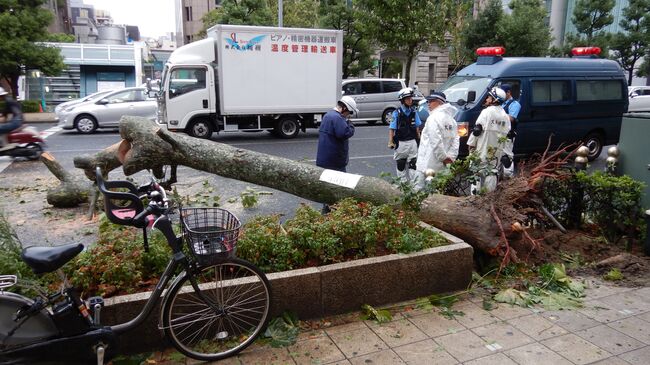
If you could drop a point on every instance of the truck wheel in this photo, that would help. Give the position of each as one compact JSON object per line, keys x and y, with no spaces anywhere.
{"x":387,"y":117}
{"x":85,"y":124}
{"x":200,"y":129}
{"x":594,"y":141}
{"x":287,"y":128}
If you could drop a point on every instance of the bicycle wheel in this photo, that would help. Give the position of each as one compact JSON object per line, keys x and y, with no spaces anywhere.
{"x":234,"y":314}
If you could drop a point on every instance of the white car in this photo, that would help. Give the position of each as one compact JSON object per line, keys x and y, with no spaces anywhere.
{"x":639,"y":99}
{"x":69,"y":104}
{"x":107,"y":111}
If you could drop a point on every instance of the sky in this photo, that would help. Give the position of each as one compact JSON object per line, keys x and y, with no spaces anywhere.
{"x":153,"y":17}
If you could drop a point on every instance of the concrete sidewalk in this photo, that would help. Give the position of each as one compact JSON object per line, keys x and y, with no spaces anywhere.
{"x":612,"y":328}
{"x":40,"y":118}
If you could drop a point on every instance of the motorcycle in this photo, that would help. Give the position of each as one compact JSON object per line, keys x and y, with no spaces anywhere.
{"x":27,"y":143}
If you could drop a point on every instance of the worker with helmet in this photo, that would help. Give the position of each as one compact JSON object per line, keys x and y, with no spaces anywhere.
{"x":12,"y":107}
{"x":404,"y":135}
{"x":333,"y":135}
{"x":488,"y":139}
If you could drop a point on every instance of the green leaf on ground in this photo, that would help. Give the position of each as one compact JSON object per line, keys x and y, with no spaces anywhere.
{"x":283,"y":331}
{"x":443,"y":301}
{"x":514,"y":297}
{"x":378,"y":315}
{"x":613,"y":275}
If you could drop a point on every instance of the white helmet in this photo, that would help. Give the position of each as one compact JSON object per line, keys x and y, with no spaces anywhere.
{"x":497,"y":94}
{"x":405,"y":93}
{"x":3,"y":91}
{"x":350,"y":104}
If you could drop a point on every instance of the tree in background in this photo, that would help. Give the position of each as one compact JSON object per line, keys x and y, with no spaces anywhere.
{"x":60,"y":38}
{"x":407,"y":26}
{"x":590,"y":17}
{"x":483,"y":31}
{"x":23,"y":23}
{"x":523,"y":32}
{"x":357,"y":48}
{"x":297,"y":13}
{"x":461,"y":16}
{"x":633,"y":44}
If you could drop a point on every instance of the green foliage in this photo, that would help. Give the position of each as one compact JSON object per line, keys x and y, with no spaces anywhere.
{"x":611,"y":203}
{"x":250,"y":197}
{"x":22,"y":25}
{"x":590,"y":16}
{"x":632,"y":44}
{"x":613,"y":275}
{"x":377,"y":315}
{"x":60,"y":38}
{"x":445,"y":303}
{"x":27,"y":106}
{"x":351,"y":230}
{"x":118,"y":262}
{"x":240,"y":12}
{"x":357,"y":47}
{"x":407,"y":26}
{"x":522,"y":33}
{"x":283,"y":331}
{"x":553,"y":289}
{"x":10,"y":260}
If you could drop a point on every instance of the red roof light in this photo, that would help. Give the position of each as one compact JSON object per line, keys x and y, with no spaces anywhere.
{"x":585,"y":51}
{"x":490,"y":51}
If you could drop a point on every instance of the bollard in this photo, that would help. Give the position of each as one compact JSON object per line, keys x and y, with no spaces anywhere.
{"x":612,"y":160}
{"x":577,"y":194}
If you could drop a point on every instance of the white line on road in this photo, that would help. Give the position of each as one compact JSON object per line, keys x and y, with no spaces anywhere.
{"x":48,"y":132}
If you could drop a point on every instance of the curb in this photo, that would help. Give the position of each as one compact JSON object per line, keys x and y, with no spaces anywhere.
{"x":40,"y":118}
{"x":326,"y":290}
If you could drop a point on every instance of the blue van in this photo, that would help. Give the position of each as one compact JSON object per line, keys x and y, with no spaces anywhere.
{"x":570,"y":100}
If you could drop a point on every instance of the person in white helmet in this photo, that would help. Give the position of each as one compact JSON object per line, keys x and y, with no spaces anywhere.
{"x":333,"y":135}
{"x":439,"y":142}
{"x":488,"y":139}
{"x":12,"y":108}
{"x":404,"y":135}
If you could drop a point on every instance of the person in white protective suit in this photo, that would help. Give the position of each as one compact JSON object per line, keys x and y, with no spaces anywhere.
{"x":439,"y":139}
{"x":488,"y":139}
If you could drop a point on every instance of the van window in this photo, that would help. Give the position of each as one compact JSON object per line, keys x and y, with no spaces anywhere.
{"x":592,"y":90}
{"x":370,"y":88}
{"x":458,"y":87}
{"x":392,"y":86}
{"x":556,"y":91}
{"x":353,"y":88}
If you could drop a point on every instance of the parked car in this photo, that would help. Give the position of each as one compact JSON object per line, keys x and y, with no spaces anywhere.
{"x":376,"y":98}
{"x":106,"y":112}
{"x":69,"y":104}
{"x":639,"y":99}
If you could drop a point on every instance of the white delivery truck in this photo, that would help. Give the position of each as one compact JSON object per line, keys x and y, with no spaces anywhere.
{"x":245,"y":78}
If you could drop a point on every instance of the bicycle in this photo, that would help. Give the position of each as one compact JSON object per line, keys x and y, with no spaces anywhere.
{"x":216,"y":306}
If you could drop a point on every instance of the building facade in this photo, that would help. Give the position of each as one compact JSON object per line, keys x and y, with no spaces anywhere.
{"x":189,"y":15}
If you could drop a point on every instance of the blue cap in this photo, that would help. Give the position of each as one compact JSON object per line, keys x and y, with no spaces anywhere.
{"x":436,"y":95}
{"x":506,"y":87}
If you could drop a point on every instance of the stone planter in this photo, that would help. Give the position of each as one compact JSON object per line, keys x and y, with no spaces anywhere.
{"x":331,"y":289}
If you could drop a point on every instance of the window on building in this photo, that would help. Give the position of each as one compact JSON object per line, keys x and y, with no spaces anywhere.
{"x":188,"y":13}
{"x":558,"y":91}
{"x":593,"y":90}
{"x":432,"y":73}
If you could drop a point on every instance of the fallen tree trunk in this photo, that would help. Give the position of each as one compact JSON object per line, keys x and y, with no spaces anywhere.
{"x":71,"y":192}
{"x":146,"y":146}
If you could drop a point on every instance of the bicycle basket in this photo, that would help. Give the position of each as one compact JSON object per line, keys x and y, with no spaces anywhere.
{"x":210,"y":233}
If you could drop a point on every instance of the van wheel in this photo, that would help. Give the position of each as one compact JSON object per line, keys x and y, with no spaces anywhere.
{"x":200,"y":128}
{"x":387,"y":117}
{"x":594,"y":141}
{"x":287,"y":128}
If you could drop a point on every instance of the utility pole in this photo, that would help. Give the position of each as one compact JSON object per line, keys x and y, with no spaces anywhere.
{"x":280,"y":11}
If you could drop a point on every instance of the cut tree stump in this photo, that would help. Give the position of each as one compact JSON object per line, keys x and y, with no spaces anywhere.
{"x":71,"y":192}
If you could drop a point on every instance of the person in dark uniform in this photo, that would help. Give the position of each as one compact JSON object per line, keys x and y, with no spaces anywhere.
{"x":12,"y":107}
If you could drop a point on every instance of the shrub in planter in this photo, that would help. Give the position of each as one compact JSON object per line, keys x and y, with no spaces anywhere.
{"x":352,"y":230}
{"x":28,"y":106}
{"x":117,"y":263}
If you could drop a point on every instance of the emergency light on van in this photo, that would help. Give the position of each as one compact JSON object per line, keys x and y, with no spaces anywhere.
{"x":490,"y":51}
{"x":585,"y":51}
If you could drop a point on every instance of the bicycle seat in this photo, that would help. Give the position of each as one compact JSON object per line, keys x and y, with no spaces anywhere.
{"x":120,"y":206}
{"x":48,"y":259}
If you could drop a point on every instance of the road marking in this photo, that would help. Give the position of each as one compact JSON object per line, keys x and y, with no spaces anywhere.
{"x":48,"y":132}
